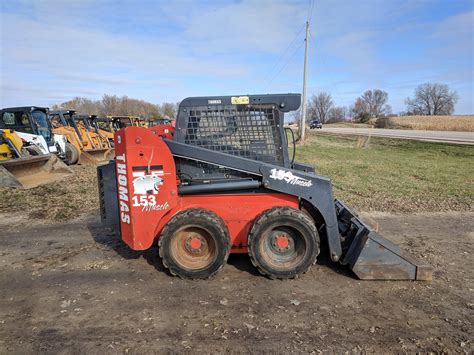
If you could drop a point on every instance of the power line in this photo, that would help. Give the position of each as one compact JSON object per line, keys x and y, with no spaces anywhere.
{"x":269,"y":78}
{"x":283,"y":54}
{"x":284,"y":65}
{"x":310,"y":10}
{"x":302,"y":123}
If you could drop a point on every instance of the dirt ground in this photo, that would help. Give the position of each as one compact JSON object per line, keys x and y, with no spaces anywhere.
{"x":76,"y":288}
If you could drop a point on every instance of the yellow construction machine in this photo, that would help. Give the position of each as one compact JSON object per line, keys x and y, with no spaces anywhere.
{"x":100,"y":143}
{"x":11,"y":145}
{"x":23,"y":165}
{"x":108,"y":124}
{"x":127,"y":121}
{"x":103,"y":127}
{"x":160,"y":122}
{"x":85,"y":147}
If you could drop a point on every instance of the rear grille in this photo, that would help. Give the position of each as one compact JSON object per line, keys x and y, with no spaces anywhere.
{"x":247,"y":131}
{"x":108,"y":197}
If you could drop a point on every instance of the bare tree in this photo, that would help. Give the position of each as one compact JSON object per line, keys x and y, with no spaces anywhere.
{"x":111,"y":105}
{"x":372,"y":103}
{"x":432,"y":99}
{"x":294,"y":116}
{"x":81,"y":104}
{"x":169,"y":109}
{"x":350,"y":112}
{"x":346,"y":110}
{"x":319,"y":107}
{"x":337,"y":114}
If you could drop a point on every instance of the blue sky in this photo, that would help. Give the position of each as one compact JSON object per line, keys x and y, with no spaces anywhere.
{"x":161,"y":51}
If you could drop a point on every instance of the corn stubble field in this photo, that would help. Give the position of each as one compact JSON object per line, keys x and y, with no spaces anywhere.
{"x":463,"y":123}
{"x":69,"y":285}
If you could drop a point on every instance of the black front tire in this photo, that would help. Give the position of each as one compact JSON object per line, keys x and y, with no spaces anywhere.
{"x":72,"y":154}
{"x":283,"y":243}
{"x":194,"y":244}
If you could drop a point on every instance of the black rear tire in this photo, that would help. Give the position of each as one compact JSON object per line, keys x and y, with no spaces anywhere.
{"x":25,"y":153}
{"x":283,"y":243}
{"x":72,"y":154}
{"x":34,"y":150}
{"x":194,"y":244}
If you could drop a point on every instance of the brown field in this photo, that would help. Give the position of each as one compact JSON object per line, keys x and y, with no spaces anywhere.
{"x":463,"y":123}
{"x":429,"y":123}
{"x":70,"y":285}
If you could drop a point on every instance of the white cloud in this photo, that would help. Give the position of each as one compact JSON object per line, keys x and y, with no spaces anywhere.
{"x":456,"y":26}
{"x":163,"y":51}
{"x":53,"y":44}
{"x":253,"y":26}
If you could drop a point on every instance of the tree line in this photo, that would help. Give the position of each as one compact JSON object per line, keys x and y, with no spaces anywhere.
{"x":118,"y":106}
{"x":430,"y":99}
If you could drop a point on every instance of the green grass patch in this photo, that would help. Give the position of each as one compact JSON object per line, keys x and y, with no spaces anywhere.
{"x":394,"y":175}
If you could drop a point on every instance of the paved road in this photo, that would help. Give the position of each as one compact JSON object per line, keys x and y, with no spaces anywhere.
{"x":432,"y":136}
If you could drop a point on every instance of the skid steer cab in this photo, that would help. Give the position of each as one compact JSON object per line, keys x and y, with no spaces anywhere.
{"x":32,"y":125}
{"x":222,"y":182}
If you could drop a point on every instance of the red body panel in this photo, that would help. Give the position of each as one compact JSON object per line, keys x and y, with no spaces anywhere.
{"x":165,"y":131}
{"x":148,"y":193}
{"x":237,"y":210}
{"x":146,"y":182}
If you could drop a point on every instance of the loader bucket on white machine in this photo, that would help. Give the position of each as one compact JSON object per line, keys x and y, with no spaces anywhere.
{"x":26,"y":173}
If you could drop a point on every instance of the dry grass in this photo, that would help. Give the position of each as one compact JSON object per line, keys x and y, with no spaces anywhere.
{"x":348,"y":125}
{"x":391,"y":175}
{"x":429,"y":123}
{"x":62,"y":200}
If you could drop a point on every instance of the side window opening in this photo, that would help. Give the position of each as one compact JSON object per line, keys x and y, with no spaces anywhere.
{"x":8,"y":119}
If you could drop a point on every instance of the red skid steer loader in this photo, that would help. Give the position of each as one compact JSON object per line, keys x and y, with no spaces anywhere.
{"x":222,"y":182}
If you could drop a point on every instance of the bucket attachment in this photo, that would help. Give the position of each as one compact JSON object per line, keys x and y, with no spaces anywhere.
{"x":110,"y":155}
{"x":96,"y":156}
{"x":87,"y":159}
{"x":372,"y":257}
{"x":26,"y":173}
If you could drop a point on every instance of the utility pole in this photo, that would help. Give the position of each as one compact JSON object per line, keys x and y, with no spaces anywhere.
{"x":303,"y":108}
